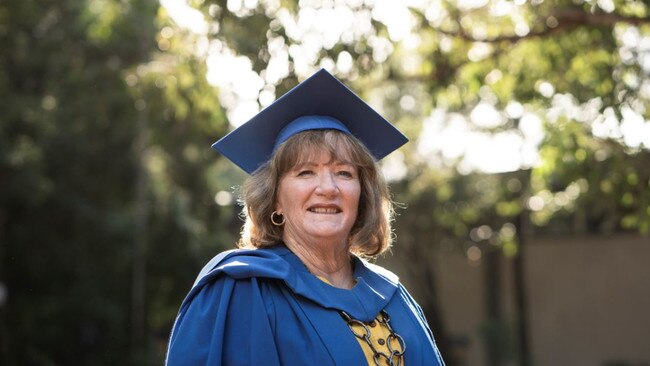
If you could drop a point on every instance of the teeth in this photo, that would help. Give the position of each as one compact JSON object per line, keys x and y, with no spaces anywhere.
{"x":323,"y":210}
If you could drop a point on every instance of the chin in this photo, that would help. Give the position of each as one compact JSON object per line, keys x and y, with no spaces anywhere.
{"x":333,"y":234}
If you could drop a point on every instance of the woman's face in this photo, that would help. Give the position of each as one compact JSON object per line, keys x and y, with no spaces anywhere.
{"x":319,"y":199}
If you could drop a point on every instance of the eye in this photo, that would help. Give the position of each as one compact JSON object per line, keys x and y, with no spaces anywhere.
{"x":346,"y":173}
{"x":304,"y":172}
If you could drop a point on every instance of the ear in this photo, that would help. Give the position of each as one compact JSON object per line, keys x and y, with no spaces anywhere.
{"x":276,"y":205}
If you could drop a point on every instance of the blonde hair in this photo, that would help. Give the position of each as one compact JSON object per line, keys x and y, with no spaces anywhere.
{"x":371,"y":234}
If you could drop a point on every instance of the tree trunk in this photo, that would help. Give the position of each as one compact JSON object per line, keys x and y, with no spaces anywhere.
{"x":520,"y":292}
{"x":140,"y":238}
{"x":493,"y":328}
{"x":518,"y":270}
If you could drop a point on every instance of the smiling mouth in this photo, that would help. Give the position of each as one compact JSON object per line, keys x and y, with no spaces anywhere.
{"x":324,"y":210}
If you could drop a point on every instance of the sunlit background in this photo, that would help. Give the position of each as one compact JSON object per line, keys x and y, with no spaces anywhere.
{"x":446,"y":136}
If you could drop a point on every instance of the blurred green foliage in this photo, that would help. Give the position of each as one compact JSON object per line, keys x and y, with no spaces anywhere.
{"x":77,"y":79}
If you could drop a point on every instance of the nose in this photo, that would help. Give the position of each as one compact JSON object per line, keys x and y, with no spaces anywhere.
{"x":327,"y":184}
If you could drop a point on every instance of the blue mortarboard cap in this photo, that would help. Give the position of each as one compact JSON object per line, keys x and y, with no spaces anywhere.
{"x":320,"y":102}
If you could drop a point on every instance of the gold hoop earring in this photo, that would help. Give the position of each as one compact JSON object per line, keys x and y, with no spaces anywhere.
{"x":275,"y":220}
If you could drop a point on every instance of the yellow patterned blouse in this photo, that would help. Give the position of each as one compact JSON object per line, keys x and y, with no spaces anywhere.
{"x":378,"y":333}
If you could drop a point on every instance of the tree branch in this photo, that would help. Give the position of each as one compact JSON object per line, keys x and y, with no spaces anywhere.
{"x":580,"y":17}
{"x":565,"y":19}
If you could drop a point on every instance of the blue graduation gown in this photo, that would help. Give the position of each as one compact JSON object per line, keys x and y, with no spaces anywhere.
{"x":263,"y":307}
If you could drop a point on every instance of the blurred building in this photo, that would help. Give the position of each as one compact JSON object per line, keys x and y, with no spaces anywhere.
{"x":588,"y":302}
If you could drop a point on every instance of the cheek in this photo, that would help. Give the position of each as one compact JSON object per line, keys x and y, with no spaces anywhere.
{"x":354,"y":196}
{"x":290,"y":194}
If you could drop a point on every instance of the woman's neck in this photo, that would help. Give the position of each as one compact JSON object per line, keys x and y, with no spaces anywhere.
{"x":327,"y":261}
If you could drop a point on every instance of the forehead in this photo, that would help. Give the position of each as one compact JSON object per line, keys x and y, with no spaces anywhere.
{"x":323,"y":155}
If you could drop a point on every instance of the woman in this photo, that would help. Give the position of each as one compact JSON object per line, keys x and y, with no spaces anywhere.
{"x":315,"y":203}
